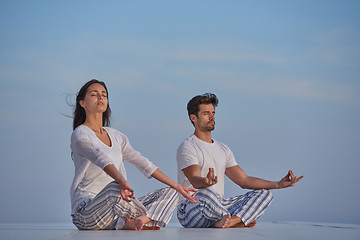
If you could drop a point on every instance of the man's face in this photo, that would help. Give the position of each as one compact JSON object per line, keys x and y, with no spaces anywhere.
{"x":205,"y":121}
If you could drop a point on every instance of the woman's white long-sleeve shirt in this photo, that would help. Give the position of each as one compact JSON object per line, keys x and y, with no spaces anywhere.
{"x":91,"y":156}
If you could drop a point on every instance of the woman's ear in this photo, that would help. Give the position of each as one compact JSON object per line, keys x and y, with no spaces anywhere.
{"x":81,"y":102}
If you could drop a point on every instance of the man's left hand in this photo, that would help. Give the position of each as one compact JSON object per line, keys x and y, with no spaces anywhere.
{"x":289,"y":180}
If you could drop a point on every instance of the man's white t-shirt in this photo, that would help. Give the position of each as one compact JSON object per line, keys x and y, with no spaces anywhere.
{"x":207,"y":155}
{"x":91,"y":156}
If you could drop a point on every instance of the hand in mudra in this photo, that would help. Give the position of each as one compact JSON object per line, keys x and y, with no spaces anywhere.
{"x":210,"y":178}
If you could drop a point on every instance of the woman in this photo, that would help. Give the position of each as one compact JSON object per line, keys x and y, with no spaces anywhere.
{"x":101,"y":197}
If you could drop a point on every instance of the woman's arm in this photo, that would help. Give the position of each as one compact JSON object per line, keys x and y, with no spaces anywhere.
{"x":125,"y":190}
{"x":160,"y":176}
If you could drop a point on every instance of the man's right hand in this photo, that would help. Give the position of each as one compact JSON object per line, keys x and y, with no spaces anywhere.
{"x":210,"y":178}
{"x":193,"y":173}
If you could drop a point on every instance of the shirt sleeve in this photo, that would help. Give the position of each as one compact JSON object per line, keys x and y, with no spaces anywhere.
{"x":134,"y":157}
{"x":230,"y":159}
{"x":186,"y":156}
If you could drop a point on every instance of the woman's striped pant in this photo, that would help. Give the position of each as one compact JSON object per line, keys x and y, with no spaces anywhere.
{"x":107,"y":208}
{"x":247,"y":207}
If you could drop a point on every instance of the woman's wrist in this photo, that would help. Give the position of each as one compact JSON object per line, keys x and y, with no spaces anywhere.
{"x":176,"y":186}
{"x":123,"y":183}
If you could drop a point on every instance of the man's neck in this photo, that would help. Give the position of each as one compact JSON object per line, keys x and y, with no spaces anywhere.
{"x":205,"y":136}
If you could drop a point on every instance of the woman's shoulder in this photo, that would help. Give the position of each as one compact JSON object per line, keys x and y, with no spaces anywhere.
{"x":116,"y":133}
{"x":81,"y":132}
{"x":81,"y":129}
{"x":113,"y":130}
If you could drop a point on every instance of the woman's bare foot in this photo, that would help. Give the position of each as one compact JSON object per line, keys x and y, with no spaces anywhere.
{"x":137,"y":223}
{"x":223,"y":222}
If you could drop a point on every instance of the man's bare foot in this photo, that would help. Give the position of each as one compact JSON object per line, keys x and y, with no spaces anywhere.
{"x":241,"y":224}
{"x":136,"y":223}
{"x":223,"y":222}
{"x":150,"y":228}
{"x":232,"y":222}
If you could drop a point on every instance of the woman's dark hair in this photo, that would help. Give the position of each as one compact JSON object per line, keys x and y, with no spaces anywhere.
{"x":79,"y":112}
{"x":193,"y":106}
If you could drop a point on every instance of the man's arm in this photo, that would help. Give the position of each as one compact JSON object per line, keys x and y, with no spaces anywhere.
{"x":193,"y":173}
{"x":238,"y":176}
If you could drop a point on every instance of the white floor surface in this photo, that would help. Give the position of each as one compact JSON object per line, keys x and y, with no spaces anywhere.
{"x":263,"y":230}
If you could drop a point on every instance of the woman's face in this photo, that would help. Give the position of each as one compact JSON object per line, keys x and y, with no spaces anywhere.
{"x":95,"y":100}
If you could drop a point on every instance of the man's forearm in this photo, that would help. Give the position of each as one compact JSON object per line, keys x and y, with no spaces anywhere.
{"x":198,"y":182}
{"x":258,"y":183}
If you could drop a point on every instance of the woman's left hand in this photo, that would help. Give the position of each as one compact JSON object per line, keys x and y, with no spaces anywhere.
{"x":181,"y":189}
{"x":185,"y":192}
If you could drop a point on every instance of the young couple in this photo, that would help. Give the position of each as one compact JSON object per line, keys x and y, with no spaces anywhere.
{"x":102,"y":198}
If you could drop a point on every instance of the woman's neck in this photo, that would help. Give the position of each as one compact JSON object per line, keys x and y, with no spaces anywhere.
{"x":94,"y":122}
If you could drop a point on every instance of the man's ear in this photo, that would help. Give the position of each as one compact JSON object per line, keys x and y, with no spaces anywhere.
{"x":193,"y":117}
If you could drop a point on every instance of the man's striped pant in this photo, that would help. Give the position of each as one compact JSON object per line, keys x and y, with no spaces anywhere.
{"x":211,"y":208}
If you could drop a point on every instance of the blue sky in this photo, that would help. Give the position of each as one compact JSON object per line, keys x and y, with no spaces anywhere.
{"x":286,"y":73}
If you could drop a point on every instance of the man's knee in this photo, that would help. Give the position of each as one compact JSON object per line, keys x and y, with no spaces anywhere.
{"x":267,"y":194}
{"x":192,"y":217}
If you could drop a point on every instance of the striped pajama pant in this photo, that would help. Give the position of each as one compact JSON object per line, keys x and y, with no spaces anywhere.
{"x":107,"y":208}
{"x":211,"y":208}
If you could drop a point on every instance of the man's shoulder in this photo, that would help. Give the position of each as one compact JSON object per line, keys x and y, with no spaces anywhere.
{"x":190,"y":141}
{"x":220,"y":143}
{"x":222,"y":146}
{"x":187,"y":145}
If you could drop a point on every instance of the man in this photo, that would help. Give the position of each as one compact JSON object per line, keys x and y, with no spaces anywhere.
{"x":203,"y":163}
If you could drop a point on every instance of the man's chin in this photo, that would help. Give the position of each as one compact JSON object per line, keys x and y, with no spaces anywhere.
{"x":210,"y":128}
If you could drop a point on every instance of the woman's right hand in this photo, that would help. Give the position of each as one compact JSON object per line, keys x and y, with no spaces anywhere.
{"x":126,"y":192}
